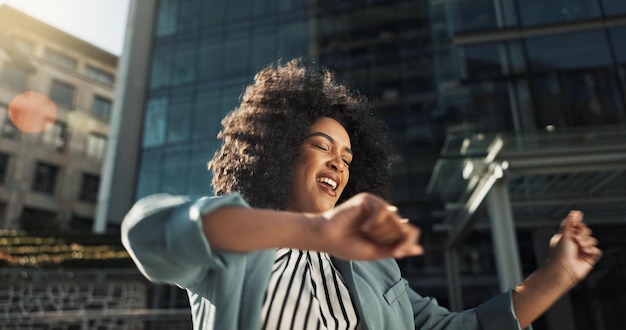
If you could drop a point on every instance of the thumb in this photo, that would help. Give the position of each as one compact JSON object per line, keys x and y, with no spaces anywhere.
{"x":567,"y":227}
{"x":571,"y":223}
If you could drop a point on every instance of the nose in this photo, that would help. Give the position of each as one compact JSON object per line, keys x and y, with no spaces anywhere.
{"x":336,"y":163}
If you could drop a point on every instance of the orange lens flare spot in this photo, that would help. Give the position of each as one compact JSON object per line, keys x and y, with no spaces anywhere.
{"x":32,"y":112}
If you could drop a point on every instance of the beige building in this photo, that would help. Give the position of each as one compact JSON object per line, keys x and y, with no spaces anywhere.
{"x":50,"y":179}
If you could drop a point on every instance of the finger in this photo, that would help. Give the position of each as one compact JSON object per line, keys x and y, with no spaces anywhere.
{"x":592,"y":256}
{"x":555,"y":239}
{"x":390,"y":232}
{"x":573,"y":217}
{"x":587,"y":244}
{"x":409,"y":246}
{"x":377,"y":215}
{"x":570,"y":223}
{"x":383,"y":225}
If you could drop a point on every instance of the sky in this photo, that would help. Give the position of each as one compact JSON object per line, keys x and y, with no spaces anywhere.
{"x":101,"y":23}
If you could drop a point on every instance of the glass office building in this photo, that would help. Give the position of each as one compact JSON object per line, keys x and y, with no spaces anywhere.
{"x":507,"y":86}
{"x":532,"y":95}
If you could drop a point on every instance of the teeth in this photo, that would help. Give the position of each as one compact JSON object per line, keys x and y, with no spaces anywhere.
{"x":328,"y":181}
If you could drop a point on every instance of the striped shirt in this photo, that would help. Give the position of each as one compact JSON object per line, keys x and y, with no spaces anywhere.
{"x":306,"y":291}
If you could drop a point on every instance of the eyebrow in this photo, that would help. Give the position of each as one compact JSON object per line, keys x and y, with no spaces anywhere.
{"x":329,"y":138}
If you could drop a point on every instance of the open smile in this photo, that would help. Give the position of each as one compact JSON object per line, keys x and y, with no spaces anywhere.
{"x":329,"y":182}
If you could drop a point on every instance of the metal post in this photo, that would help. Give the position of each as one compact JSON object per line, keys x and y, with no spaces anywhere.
{"x":503,"y":234}
{"x":455,"y":296}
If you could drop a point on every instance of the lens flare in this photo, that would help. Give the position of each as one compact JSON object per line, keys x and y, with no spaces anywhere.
{"x":32,"y":112}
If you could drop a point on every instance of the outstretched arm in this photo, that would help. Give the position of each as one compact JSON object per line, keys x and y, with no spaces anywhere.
{"x":365,"y":228}
{"x":574,"y":252}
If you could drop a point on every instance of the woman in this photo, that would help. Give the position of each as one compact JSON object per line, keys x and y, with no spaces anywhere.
{"x":301,"y":236}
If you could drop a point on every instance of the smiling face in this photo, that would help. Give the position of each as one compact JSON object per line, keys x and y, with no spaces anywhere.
{"x":322,"y":170}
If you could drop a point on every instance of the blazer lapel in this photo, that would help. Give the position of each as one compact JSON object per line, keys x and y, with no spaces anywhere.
{"x":347,"y":273}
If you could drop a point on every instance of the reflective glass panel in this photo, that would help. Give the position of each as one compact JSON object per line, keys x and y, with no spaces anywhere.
{"x":180,"y":112}
{"x":617,"y":41}
{"x":161,"y":63}
{"x":569,"y":51}
{"x":207,"y":114}
{"x":578,"y":98}
{"x":200,"y":180}
{"x":166,"y":19}
{"x":184,"y":69}
{"x":540,"y":12}
{"x":175,"y":171}
{"x":614,"y":7}
{"x":475,"y":15}
{"x":210,"y":59}
{"x":155,"y":122}
{"x":236,"y":55}
{"x":149,"y":173}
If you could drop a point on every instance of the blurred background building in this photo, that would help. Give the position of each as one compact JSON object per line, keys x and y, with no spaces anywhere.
{"x":50,"y":179}
{"x":504,"y":115}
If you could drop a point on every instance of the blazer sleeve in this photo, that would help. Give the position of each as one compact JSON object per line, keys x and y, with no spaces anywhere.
{"x":163,"y":235}
{"x":494,"y":314}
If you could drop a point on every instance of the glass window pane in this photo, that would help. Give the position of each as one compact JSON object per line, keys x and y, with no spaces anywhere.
{"x":614,"y":7}
{"x":60,"y":59}
{"x":7,"y":129}
{"x":236,"y":55}
{"x":180,"y":111}
{"x":210,"y":59}
{"x":291,"y":40}
{"x":207,"y":114}
{"x":238,"y":10}
{"x":483,"y":61}
{"x":539,"y":12}
{"x":263,"y":48}
{"x":155,"y":122}
{"x":101,"y":108}
{"x":62,"y":94}
{"x":231,"y":97}
{"x":262,"y":8}
{"x":89,"y":188}
{"x":184,"y":70}
{"x":200,"y":180}
{"x":189,"y":19}
{"x":54,"y":137}
{"x":4,"y":166}
{"x":213,"y":12}
{"x":13,"y":77}
{"x":489,"y":108}
{"x":617,"y":41}
{"x":166,"y":19}
{"x":475,"y":15}
{"x":149,"y":173}
{"x":175,"y":171}
{"x":45,"y":177}
{"x":564,"y":51}
{"x":578,"y":98}
{"x":99,"y":75}
{"x":96,"y":147}
{"x":161,"y":63}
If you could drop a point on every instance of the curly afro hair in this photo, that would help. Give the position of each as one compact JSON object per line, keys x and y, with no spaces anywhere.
{"x":261,"y":137}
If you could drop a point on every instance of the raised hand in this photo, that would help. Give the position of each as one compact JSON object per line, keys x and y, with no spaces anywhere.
{"x":574,"y":248}
{"x":367,"y":227}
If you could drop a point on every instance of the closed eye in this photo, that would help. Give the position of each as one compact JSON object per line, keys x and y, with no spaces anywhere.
{"x":321,"y":147}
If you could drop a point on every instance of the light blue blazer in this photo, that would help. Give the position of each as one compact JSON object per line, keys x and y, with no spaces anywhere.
{"x":163,"y":234}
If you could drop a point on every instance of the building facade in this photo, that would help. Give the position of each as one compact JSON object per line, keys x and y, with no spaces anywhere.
{"x":532,"y":96}
{"x":495,"y":109}
{"x":49,"y":179}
